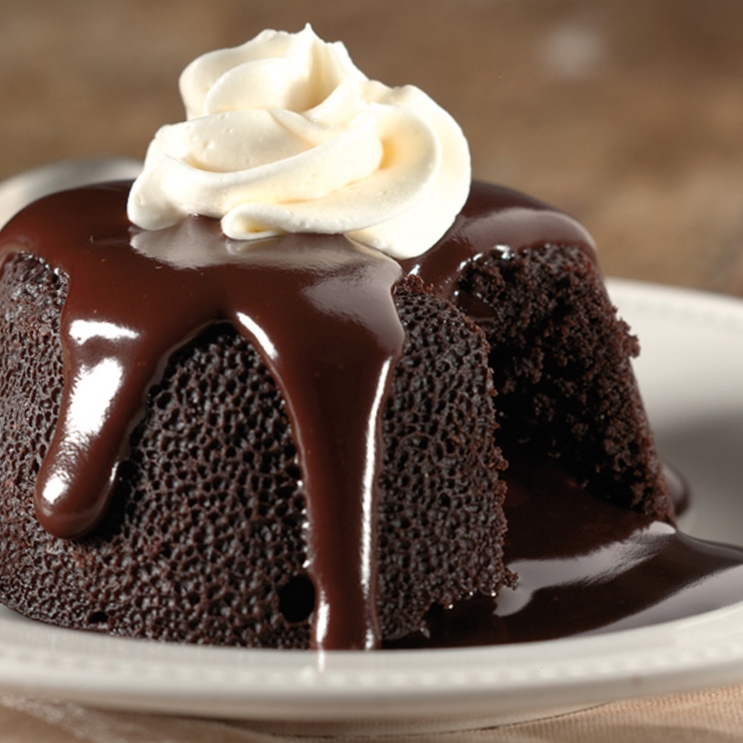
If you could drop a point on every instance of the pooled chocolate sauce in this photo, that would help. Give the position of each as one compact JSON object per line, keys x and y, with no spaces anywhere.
{"x":319,"y":310}
{"x":584,"y":565}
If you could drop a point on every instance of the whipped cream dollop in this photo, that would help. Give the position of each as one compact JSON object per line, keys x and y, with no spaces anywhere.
{"x":285,"y":134}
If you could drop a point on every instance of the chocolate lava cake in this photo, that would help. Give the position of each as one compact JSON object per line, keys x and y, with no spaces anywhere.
{"x":509,"y":348}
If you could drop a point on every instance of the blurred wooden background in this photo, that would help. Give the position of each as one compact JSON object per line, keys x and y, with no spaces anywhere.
{"x":626,"y":113}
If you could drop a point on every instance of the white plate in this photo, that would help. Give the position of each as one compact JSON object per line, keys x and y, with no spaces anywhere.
{"x":691,"y":373}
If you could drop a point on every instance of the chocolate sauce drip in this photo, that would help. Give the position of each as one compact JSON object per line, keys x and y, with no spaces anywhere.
{"x":319,"y":310}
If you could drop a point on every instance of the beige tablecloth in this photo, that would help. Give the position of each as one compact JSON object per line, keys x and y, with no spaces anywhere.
{"x":712,"y":716}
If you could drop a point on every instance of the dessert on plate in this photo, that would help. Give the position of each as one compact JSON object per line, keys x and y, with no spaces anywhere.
{"x":306,"y":384}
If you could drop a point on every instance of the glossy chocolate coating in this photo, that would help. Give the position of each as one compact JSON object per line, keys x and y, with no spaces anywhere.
{"x":495,"y":218}
{"x":319,"y":310}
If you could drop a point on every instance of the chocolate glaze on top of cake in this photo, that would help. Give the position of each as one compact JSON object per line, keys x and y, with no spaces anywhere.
{"x":500,"y":219}
{"x":320,"y":311}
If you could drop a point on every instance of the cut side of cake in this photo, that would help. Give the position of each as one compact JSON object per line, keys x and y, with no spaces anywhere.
{"x":561,"y":360}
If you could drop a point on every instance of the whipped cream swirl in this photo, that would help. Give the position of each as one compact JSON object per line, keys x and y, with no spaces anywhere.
{"x":285,"y":134}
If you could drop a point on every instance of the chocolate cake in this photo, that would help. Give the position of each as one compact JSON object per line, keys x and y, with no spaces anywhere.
{"x":206,"y":534}
{"x":304,"y":384}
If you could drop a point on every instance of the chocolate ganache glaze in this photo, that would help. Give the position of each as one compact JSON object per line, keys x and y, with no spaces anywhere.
{"x":319,"y":309}
{"x":494,"y":218}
